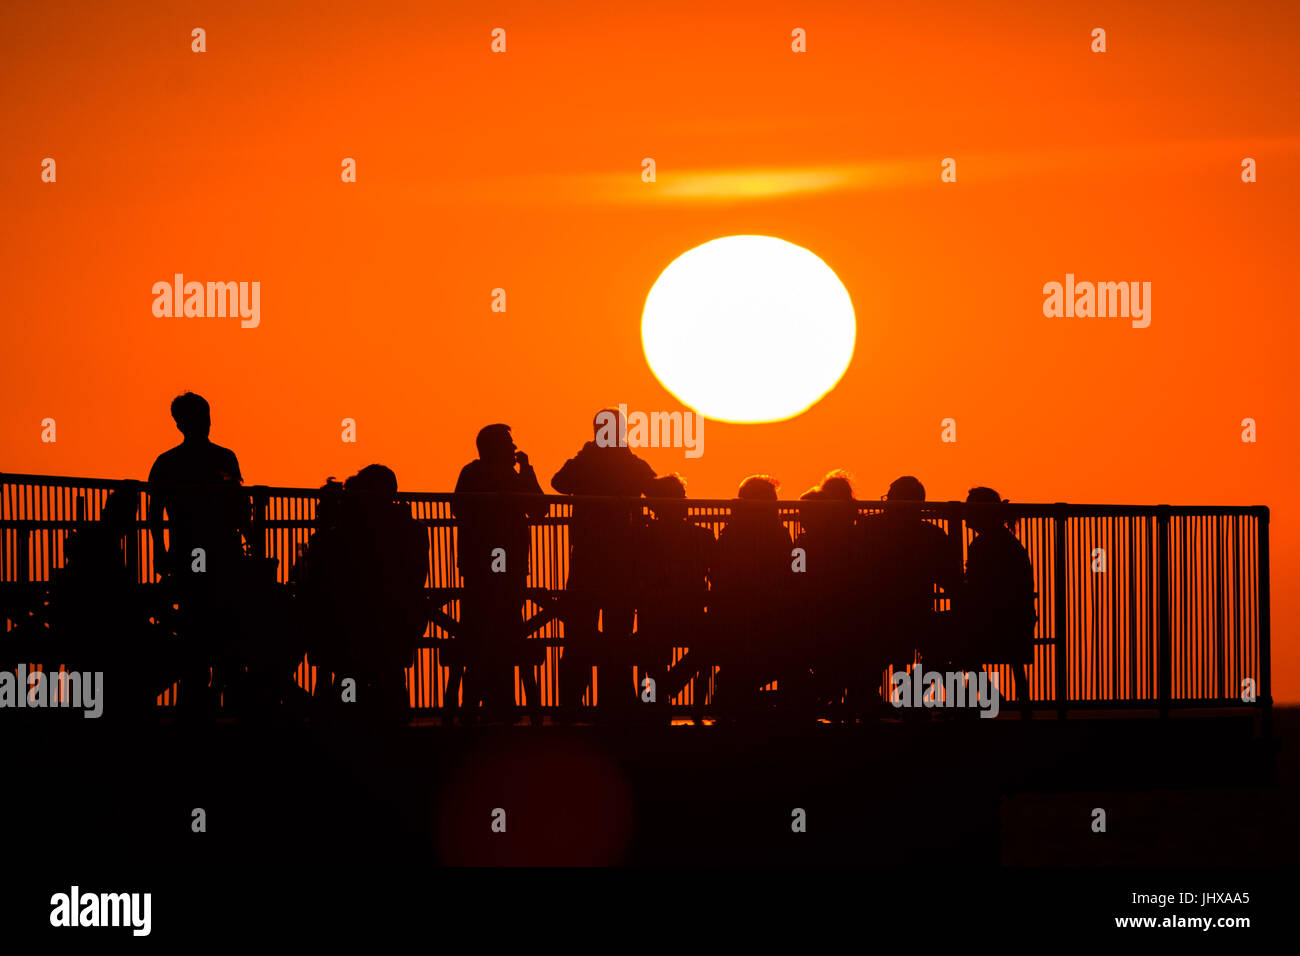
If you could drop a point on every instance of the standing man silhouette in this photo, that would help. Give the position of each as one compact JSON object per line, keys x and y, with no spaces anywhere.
{"x":602,"y":562}
{"x":196,"y":484}
{"x":492,"y":544}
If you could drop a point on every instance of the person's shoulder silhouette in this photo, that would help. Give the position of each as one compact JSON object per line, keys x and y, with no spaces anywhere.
{"x":494,"y":470}
{"x":827,"y":531}
{"x":196,"y":460}
{"x":901,"y":529}
{"x":485,"y":524}
{"x":96,"y":548}
{"x":605,"y":465}
{"x":999,"y":601}
{"x":196,"y":484}
{"x":678,"y":553}
{"x":385,"y":549}
{"x":904,"y":555}
{"x":754,"y":546}
{"x":998,"y":567}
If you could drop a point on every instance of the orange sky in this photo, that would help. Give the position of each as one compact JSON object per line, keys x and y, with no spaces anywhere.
{"x":522,"y":171}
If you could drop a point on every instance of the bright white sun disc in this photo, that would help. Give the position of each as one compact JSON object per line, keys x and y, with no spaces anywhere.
{"x":748,"y":329}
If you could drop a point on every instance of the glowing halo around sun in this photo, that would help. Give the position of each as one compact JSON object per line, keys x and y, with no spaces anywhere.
{"x":748,"y":329}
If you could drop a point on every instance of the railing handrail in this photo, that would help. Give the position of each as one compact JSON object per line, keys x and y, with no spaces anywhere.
{"x":940,"y":507}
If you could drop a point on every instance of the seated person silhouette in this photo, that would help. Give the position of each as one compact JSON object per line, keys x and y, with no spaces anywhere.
{"x":997,"y":613}
{"x":94,"y":588}
{"x":673,"y":584}
{"x":903,"y":558}
{"x":367,"y":575}
{"x":317,"y":630}
{"x":828,"y":626}
{"x":492,"y":544}
{"x":602,"y":569}
{"x":99,"y":620}
{"x":197,"y":486}
{"x":752,"y":594}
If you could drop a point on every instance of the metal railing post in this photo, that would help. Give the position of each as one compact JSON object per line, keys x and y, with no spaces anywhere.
{"x":1060,"y":619}
{"x":260,"y":495}
{"x":1265,"y":625}
{"x":132,"y":542}
{"x":1164,"y":613}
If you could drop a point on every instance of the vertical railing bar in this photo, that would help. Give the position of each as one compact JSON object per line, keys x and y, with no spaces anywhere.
{"x":1059,"y":586}
{"x":1164,"y":625}
{"x":1265,"y":624}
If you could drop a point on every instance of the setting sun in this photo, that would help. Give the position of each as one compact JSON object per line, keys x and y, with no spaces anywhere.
{"x":748,"y":329}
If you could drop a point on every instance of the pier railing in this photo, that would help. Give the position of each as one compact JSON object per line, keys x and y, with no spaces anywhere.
{"x":1155,"y":607}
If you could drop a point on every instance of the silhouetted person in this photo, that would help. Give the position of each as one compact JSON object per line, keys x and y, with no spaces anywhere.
{"x":319,"y":631}
{"x":673,"y":580}
{"x":367,"y":575}
{"x":753,"y":590}
{"x":99,"y":618}
{"x":904,"y":558}
{"x":997,"y":606}
{"x":492,"y":544}
{"x":828,"y":627}
{"x":196,"y":484}
{"x":602,"y":571}
{"x":94,"y":564}
{"x":193,"y":483}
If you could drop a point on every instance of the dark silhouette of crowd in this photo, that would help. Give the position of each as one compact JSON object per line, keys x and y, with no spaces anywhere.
{"x":655,"y":609}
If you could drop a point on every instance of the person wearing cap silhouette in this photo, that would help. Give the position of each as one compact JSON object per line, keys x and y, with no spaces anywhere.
{"x":997,"y":612}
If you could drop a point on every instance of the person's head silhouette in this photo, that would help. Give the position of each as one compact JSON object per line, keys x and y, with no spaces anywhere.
{"x":990,"y":513}
{"x":668,"y":486}
{"x":758,"y":488}
{"x":813,"y":519}
{"x":330,"y":503}
{"x":756,"y":499}
{"x":368,"y":497}
{"x":836,"y":486}
{"x":376,"y":479}
{"x":609,"y":428}
{"x":120,"y":508}
{"x":906,"y":488}
{"x":495,"y":445}
{"x":192,"y":416}
{"x":906,"y":494}
{"x":836,"y":491}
